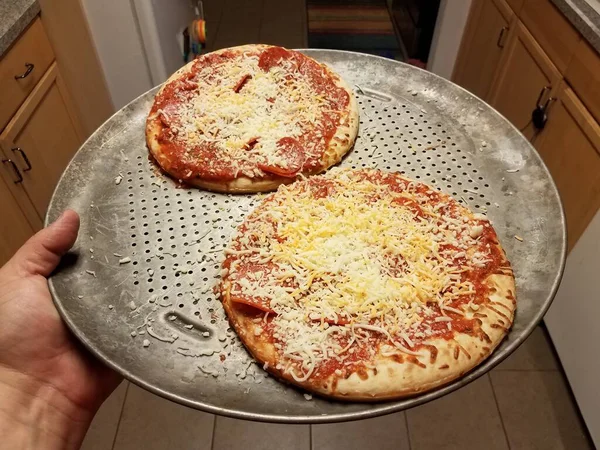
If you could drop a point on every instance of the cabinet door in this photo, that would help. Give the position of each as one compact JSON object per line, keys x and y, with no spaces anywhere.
{"x":482,"y":46}
{"x":525,"y":73}
{"x":570,"y":147}
{"x":41,"y":139}
{"x":14,"y":228}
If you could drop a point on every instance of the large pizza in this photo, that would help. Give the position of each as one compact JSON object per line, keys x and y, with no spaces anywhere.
{"x":249,"y":118}
{"x":367,"y":285}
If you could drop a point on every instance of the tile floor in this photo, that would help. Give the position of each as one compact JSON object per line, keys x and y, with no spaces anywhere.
{"x":524,"y":403}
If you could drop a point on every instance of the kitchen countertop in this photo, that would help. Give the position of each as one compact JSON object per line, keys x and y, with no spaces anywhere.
{"x":585,"y":17}
{"x":15,"y":15}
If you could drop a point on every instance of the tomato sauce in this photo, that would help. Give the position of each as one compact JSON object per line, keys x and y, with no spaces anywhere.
{"x":209,"y":162}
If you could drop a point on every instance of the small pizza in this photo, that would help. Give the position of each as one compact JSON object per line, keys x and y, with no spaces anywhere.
{"x":249,"y":118}
{"x":363,"y":284}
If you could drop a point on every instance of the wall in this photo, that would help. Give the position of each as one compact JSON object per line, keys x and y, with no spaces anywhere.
{"x":115,"y":33}
{"x":449,"y":28}
{"x":573,"y":324}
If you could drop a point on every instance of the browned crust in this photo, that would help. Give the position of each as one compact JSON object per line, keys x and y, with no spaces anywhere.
{"x":391,"y":379}
{"x":397,"y":377}
{"x":340,"y":144}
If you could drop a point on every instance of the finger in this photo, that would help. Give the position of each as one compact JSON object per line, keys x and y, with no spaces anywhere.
{"x":41,"y":253}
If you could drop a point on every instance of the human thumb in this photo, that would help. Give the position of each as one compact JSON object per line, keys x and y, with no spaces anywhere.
{"x":42,"y":252}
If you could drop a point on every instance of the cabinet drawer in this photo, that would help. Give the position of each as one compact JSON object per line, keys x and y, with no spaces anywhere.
{"x":583,"y":74}
{"x":31,"y":53}
{"x":570,"y":147}
{"x":552,"y":30}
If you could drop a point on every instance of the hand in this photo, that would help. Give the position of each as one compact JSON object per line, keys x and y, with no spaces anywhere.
{"x":49,"y":385}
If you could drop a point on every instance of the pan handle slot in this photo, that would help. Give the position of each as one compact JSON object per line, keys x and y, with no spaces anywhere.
{"x":191,"y":327}
{"x":366,"y":92}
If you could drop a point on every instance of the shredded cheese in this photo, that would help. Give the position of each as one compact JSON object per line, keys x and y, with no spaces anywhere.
{"x":339,"y":269}
{"x":244,"y":123}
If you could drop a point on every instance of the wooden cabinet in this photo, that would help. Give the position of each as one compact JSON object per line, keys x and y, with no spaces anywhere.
{"x":583,"y":74}
{"x":487,"y":31}
{"x":41,"y":139}
{"x":551,"y":30}
{"x":515,"y":5}
{"x":42,"y":122}
{"x":21,"y":69}
{"x":526,"y":74}
{"x":544,"y":60}
{"x":14,"y":227}
{"x":570,"y":147}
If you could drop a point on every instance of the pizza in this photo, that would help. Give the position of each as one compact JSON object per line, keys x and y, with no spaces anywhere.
{"x":249,"y":118}
{"x":364,"y":284}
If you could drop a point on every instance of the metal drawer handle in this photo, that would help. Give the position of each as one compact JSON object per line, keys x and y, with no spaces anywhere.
{"x":27,"y":72}
{"x":15,"y":168}
{"x":538,"y":103}
{"x":500,"y":42}
{"x":24,"y":156}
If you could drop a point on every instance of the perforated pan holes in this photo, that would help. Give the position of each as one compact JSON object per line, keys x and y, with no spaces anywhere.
{"x":400,"y":136}
{"x":176,"y":239}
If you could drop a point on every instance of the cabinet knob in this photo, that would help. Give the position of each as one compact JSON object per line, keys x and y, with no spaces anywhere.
{"x":26,"y":73}
{"x":15,"y":168}
{"x":24,"y":156}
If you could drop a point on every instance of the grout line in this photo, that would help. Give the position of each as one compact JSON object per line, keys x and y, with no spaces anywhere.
{"x":499,"y":412}
{"x":120,"y":414}
{"x":310,"y":438}
{"x":212,"y":439}
{"x":407,"y":430}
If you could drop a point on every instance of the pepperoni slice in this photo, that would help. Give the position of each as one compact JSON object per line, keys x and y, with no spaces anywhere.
{"x":250,"y":271}
{"x":255,"y":302}
{"x":240,"y":84}
{"x":272,"y":56}
{"x":293,"y":153}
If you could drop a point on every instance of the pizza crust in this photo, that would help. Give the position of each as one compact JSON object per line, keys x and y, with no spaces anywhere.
{"x":342,"y":141}
{"x":391,"y":379}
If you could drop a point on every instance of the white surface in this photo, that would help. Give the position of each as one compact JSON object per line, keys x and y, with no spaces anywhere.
{"x":449,"y":28}
{"x":161,"y":23}
{"x":115,"y":34}
{"x":573,"y":324}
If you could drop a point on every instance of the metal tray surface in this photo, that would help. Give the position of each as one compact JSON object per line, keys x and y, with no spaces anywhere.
{"x":156,"y":319}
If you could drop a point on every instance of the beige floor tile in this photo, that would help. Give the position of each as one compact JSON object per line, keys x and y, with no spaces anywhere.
{"x":150,"y":422}
{"x":230,"y":34}
{"x":101,"y":433}
{"x":466,"y":419}
{"x":233,"y":434}
{"x":537,"y":411}
{"x":536,"y":353}
{"x":382,"y":433}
